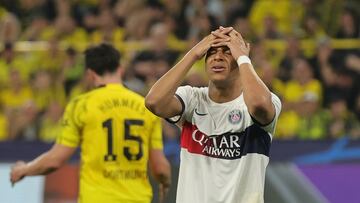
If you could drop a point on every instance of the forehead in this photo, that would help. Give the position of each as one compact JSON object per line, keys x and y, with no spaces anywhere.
{"x":216,"y":49}
{"x":213,"y":50}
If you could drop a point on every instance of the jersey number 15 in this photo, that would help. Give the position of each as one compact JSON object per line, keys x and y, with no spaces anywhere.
{"x":110,"y":156}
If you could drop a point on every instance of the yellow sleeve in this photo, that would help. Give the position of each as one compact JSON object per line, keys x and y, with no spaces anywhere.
{"x":156,"y":135}
{"x":70,"y":126}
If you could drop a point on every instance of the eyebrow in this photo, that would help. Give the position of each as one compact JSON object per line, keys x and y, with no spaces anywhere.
{"x":224,"y":48}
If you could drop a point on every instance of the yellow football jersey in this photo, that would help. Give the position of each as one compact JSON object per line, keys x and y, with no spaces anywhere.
{"x":115,"y":132}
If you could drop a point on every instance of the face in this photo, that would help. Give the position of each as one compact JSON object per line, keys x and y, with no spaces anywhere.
{"x":220,"y":65}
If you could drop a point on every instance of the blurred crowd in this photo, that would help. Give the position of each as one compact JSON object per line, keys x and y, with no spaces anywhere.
{"x":306,"y":51}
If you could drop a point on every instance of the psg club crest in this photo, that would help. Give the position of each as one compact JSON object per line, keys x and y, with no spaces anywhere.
{"x":235,"y":116}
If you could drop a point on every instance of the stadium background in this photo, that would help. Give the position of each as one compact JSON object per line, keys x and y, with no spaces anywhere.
{"x":306,"y":51}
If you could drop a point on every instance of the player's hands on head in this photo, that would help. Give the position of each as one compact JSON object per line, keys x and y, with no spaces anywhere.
{"x":218,"y":36}
{"x":222,"y":32}
{"x":17,"y":171}
{"x":236,"y":44}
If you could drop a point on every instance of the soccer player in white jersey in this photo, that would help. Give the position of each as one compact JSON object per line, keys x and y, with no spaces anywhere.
{"x":227,"y":127}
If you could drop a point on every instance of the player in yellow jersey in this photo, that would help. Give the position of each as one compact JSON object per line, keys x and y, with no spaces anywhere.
{"x":118,"y":136}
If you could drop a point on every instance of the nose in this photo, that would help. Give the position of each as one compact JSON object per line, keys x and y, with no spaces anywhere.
{"x":218,"y":56}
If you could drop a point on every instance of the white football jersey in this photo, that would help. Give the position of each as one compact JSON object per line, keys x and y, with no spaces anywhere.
{"x":224,"y":153}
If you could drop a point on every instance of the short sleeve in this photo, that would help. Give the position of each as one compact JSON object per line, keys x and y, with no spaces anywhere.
{"x":70,"y":128}
{"x":185,"y":95}
{"x":277,"y":104}
{"x":156,"y":135}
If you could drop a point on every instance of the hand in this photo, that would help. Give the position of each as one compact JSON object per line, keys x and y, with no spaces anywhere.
{"x":236,"y":44}
{"x":18,"y":172}
{"x":163,"y":190}
{"x":217,"y":36}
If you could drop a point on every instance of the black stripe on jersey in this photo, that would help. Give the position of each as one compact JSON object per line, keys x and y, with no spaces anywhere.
{"x":182,"y":110}
{"x":258,"y":123}
{"x":255,"y":140}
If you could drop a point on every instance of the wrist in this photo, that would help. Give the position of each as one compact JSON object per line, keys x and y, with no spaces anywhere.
{"x":192,"y":56}
{"x":243,"y":59}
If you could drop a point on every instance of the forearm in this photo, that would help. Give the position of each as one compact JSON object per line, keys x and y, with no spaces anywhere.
{"x":160,"y":167}
{"x":42,"y":165}
{"x":256,"y":95}
{"x":164,"y":89}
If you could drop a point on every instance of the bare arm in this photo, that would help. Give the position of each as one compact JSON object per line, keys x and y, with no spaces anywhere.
{"x":160,"y":169}
{"x":160,"y":99}
{"x":43,"y":164}
{"x":256,"y":95}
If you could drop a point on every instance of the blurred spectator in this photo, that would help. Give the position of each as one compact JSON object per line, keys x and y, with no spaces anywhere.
{"x":270,"y":28}
{"x":268,"y":75}
{"x":302,"y":92}
{"x":22,"y":122}
{"x":10,"y":59}
{"x":90,"y":22}
{"x":321,"y":63}
{"x":37,"y":30}
{"x":176,"y":10}
{"x":67,"y":31}
{"x":17,"y":93}
{"x":46,"y":89}
{"x":52,"y":58}
{"x":107,"y":28}
{"x":274,"y":23}
{"x":123,"y":9}
{"x":50,"y":126}
{"x":6,"y":57}
{"x":158,"y":42}
{"x":314,"y":125}
{"x":342,"y":121}
{"x":292,"y":53}
{"x":137,"y":25}
{"x":312,"y":27}
{"x":243,"y":24}
{"x":352,"y":61}
{"x":9,"y":26}
{"x":140,"y":72}
{"x":349,"y":24}
{"x":72,"y":69}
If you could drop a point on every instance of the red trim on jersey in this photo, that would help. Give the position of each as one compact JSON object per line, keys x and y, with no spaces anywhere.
{"x":187,"y":141}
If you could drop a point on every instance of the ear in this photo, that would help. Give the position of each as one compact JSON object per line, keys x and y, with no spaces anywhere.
{"x":91,"y":74}
{"x":120,"y":71}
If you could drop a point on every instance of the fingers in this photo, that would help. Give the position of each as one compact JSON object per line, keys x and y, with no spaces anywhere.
{"x":225,"y":30}
{"x":235,"y":35}
{"x":217,"y":40}
{"x":222,"y":32}
{"x":219,"y":34}
{"x":162,"y":193}
{"x":248,"y":45}
{"x":16,"y":173}
{"x":220,"y":44}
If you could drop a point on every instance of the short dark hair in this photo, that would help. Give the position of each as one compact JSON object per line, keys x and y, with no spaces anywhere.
{"x":102,"y":59}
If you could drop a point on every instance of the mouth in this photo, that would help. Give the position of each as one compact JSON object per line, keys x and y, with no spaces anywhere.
{"x":218,"y":68}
